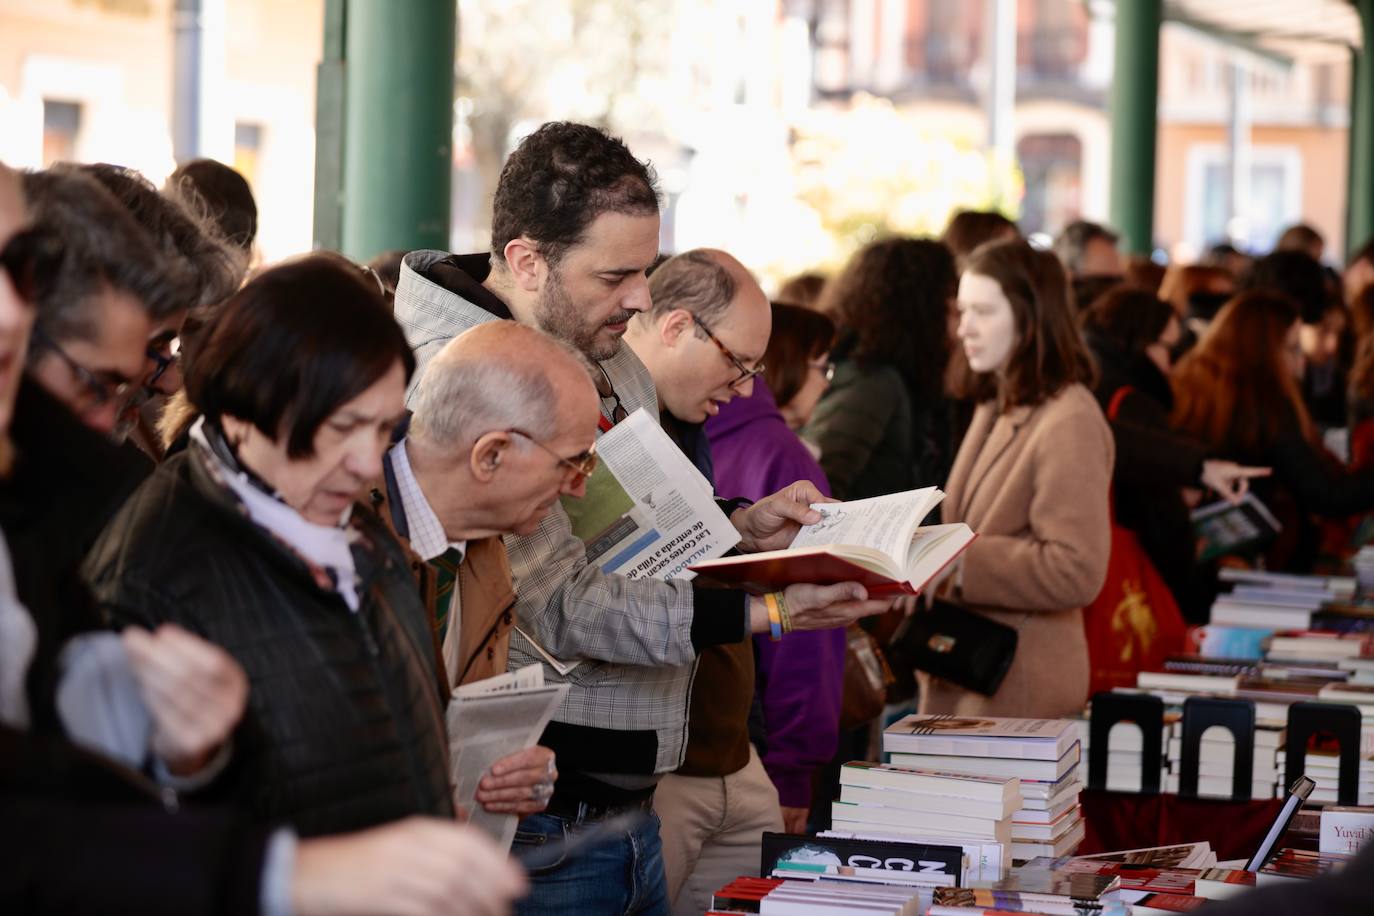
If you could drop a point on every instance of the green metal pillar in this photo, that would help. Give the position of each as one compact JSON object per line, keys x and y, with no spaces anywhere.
{"x":330,"y":88}
{"x":1134,"y":105}
{"x":398,"y":125}
{"x":1360,"y":170}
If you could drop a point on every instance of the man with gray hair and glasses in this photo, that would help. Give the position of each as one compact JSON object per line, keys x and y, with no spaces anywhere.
{"x":94,"y":317}
{"x":504,"y":424}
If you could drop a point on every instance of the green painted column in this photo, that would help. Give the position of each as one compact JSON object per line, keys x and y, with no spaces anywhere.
{"x":1134,"y":107}
{"x":398,"y":125}
{"x":1360,"y":171}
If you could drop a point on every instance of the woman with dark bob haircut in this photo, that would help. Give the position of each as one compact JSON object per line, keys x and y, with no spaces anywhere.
{"x":251,"y":538}
{"x":1032,"y":478}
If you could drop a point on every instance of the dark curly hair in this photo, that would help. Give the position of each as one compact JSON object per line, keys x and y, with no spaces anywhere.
{"x":891,"y":303}
{"x":561,"y":178}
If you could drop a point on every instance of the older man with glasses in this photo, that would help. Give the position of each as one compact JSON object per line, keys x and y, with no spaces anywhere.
{"x":504,"y":424}
{"x":703,"y":341}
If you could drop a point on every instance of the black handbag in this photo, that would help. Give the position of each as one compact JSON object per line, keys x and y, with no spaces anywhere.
{"x":961,"y":647}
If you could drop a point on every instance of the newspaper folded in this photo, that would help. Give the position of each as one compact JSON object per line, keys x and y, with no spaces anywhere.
{"x":491,"y":719}
{"x":648,"y":511}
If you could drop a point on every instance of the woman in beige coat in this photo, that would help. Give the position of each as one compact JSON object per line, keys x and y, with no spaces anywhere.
{"x":1032,"y":478}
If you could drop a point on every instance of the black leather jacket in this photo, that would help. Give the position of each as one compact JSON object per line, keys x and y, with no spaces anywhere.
{"x":344,"y":727}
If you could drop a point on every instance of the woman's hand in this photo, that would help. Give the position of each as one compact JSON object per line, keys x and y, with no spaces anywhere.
{"x":1229,"y":479}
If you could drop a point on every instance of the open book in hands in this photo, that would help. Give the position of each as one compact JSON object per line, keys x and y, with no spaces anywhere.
{"x":877,"y":542}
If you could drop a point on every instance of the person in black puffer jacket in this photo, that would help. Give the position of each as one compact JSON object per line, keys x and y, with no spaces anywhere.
{"x":251,"y":539}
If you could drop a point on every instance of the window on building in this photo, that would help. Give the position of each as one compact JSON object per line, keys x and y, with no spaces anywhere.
{"x":61,"y":128}
{"x":1274,"y":192}
{"x":1053,"y":168}
{"x":247,"y":150}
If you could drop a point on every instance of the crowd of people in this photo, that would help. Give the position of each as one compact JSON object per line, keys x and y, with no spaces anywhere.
{"x":261,"y":521}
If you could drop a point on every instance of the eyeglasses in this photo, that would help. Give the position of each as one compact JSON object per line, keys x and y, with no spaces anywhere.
{"x":163,"y":360}
{"x":101,"y":391}
{"x":32,"y":258}
{"x":825,"y":368}
{"x":582,"y":464}
{"x":607,"y":393}
{"x":745,"y":373}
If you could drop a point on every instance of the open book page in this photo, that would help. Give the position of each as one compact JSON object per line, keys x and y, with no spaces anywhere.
{"x":648,"y":511}
{"x":489,"y":720}
{"x":883,"y":523}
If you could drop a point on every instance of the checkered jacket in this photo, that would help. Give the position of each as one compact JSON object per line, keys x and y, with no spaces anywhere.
{"x":632,"y":637}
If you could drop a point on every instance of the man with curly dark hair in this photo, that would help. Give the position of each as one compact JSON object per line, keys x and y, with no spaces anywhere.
{"x":574,"y":232}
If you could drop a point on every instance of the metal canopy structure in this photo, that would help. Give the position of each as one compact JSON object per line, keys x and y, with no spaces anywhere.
{"x":1281,"y":30}
{"x":1296,"y":29}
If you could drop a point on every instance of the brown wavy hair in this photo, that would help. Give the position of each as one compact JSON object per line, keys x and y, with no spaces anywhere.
{"x":1050,"y":353}
{"x":891,"y":302}
{"x":1233,"y":390}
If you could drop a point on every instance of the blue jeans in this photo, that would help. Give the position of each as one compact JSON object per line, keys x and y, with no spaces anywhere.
{"x":619,"y":877}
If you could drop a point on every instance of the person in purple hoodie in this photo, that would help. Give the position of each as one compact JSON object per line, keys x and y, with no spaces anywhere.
{"x":756,"y":452}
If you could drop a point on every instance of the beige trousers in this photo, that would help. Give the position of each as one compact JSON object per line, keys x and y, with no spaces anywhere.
{"x":712,"y":829}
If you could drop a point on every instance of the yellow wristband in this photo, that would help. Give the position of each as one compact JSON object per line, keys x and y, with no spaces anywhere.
{"x":773,"y":602}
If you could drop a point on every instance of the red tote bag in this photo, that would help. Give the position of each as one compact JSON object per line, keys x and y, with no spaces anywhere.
{"x":1134,"y":623}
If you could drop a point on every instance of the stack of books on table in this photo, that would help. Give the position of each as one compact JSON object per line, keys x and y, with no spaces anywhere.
{"x":820,"y":897}
{"x":940,"y":807}
{"x":1216,"y":756}
{"x":1260,"y":604}
{"x":1323,"y":768}
{"x":1042,"y":752}
{"x":1125,"y":745}
{"x":1300,"y":865}
{"x":1033,"y":889}
{"x":1359,"y":670}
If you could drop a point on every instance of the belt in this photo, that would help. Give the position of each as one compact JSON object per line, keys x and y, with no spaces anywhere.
{"x":576,"y":810}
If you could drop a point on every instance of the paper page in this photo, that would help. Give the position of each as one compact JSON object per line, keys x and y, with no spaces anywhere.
{"x":483,"y":728}
{"x":884,"y":523}
{"x":648,"y":511}
{"x":524,"y":678}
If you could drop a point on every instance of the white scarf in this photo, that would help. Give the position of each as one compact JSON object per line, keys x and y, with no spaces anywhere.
{"x":326,"y":546}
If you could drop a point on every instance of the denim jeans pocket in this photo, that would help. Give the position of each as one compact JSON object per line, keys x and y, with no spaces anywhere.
{"x":541,"y":836}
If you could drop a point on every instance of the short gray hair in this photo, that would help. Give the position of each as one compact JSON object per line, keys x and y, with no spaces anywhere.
{"x":103,"y":247}
{"x":695,"y":281}
{"x":458,"y":401}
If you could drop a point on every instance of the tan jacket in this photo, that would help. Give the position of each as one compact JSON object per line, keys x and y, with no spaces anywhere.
{"x":478,"y":646}
{"x":1033,"y":483}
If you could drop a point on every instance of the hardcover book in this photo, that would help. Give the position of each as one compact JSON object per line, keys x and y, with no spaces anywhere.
{"x":876,"y":542}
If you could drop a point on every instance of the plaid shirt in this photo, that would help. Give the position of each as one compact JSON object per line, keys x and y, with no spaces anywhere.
{"x":632,"y":636}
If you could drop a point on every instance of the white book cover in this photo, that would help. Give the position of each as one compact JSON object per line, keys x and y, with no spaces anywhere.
{"x":919,"y":802}
{"x":928,"y":821}
{"x":1062,"y":846}
{"x":1038,"y":770}
{"x":1346,"y":830}
{"x":942,"y":782}
{"x":1045,"y":833}
{"x":1027,"y":739}
{"x":1044,"y":815}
